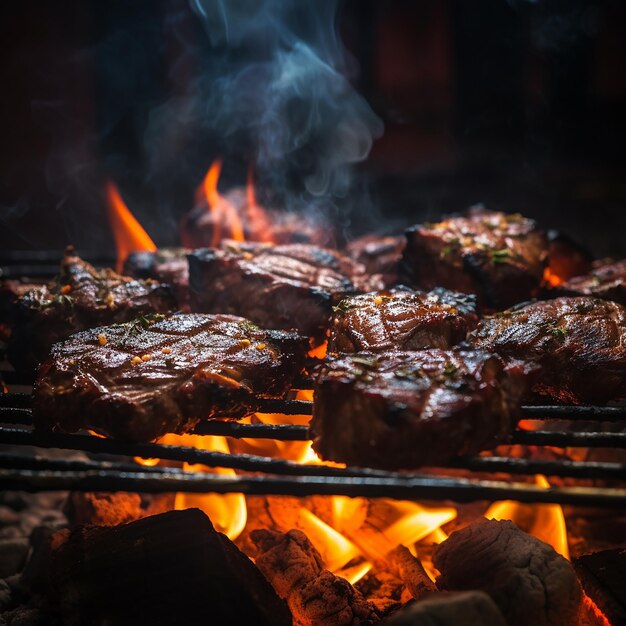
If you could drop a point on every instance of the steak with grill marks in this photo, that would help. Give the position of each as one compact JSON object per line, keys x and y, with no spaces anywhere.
{"x":403,"y":410}
{"x":606,"y":281}
{"x":140,"y":380}
{"x":401,"y":319}
{"x":497,"y":256}
{"x":80,"y":297}
{"x":287,"y":286}
{"x":579,"y":343}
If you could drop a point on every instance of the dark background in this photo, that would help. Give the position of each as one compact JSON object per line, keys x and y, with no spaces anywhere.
{"x":518,"y":104}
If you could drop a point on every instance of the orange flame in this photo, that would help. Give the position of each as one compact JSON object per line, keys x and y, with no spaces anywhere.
{"x":225,"y":213}
{"x":255,"y":214}
{"x":128,"y":232}
{"x":544,"y":521}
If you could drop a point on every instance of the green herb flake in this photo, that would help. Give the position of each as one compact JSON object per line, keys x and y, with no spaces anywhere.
{"x":452,"y":246}
{"x":500,"y":256}
{"x":450,"y":369}
{"x":343,"y":307}
{"x":558,"y":332}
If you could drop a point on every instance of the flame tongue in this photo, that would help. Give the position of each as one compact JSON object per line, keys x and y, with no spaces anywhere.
{"x":128,"y":232}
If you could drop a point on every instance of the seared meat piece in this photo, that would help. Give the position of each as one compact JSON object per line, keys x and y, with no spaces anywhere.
{"x":81,"y":297}
{"x":497,"y":256}
{"x":290,"y":286}
{"x":407,"y":409}
{"x":527,"y":579}
{"x":579,"y":343}
{"x":379,"y":254}
{"x":156,"y":375}
{"x":401,"y":319}
{"x":167,"y":265}
{"x":606,"y":281}
{"x":10,"y":292}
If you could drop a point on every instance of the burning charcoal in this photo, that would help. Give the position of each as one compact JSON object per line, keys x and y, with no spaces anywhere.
{"x":465,"y":608}
{"x":282,"y":287}
{"x":497,"y":256}
{"x":314,"y":595}
{"x":606,"y":281}
{"x":384,"y":591}
{"x":380,"y":255}
{"x":105,"y":509}
{"x":603,"y":577}
{"x":566,"y":259}
{"x":141,"y":380}
{"x":579,"y":344}
{"x":410,"y":571}
{"x":526,"y":578}
{"x":407,"y":409}
{"x":166,"y":265}
{"x":13,"y":554}
{"x":81,"y":297}
{"x":166,"y":569}
{"x":401,"y":319}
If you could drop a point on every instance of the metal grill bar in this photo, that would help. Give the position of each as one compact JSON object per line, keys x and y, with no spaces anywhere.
{"x":413,"y":488}
{"x":566,"y":440}
{"x":245,"y":462}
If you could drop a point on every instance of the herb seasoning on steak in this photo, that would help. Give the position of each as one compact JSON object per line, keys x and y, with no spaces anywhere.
{"x":402,"y":410}
{"x":401,"y":319}
{"x":155,"y":375}
{"x":81,"y":297}
{"x":579,"y":343}
{"x":497,"y":256}
{"x":288,"y":286}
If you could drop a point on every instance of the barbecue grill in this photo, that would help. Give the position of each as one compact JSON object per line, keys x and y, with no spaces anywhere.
{"x":111,"y":467}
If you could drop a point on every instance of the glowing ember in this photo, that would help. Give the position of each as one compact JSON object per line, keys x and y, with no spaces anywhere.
{"x":544,"y":521}
{"x":128,"y":232}
{"x":551,"y":279}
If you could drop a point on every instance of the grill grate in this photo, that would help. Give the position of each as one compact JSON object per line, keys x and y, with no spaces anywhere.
{"x":482,"y":479}
{"x":282,"y":477}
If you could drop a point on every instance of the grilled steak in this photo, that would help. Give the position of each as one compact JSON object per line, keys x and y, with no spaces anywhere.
{"x":80,"y":297}
{"x":156,"y":375}
{"x":579,"y":343}
{"x":407,"y":409}
{"x":380,"y":255}
{"x":401,"y":319}
{"x":606,"y":281}
{"x":290,"y":286}
{"x":167,"y":265}
{"x":497,"y":256}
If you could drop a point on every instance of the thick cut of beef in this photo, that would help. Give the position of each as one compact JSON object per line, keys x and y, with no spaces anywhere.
{"x":606,"y":281}
{"x":499,"y":257}
{"x":407,"y":409}
{"x":289,"y":286}
{"x":579,"y":343}
{"x":156,"y":375}
{"x":379,"y":254}
{"x":401,"y":319}
{"x":167,"y":265}
{"x":80,"y":297}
